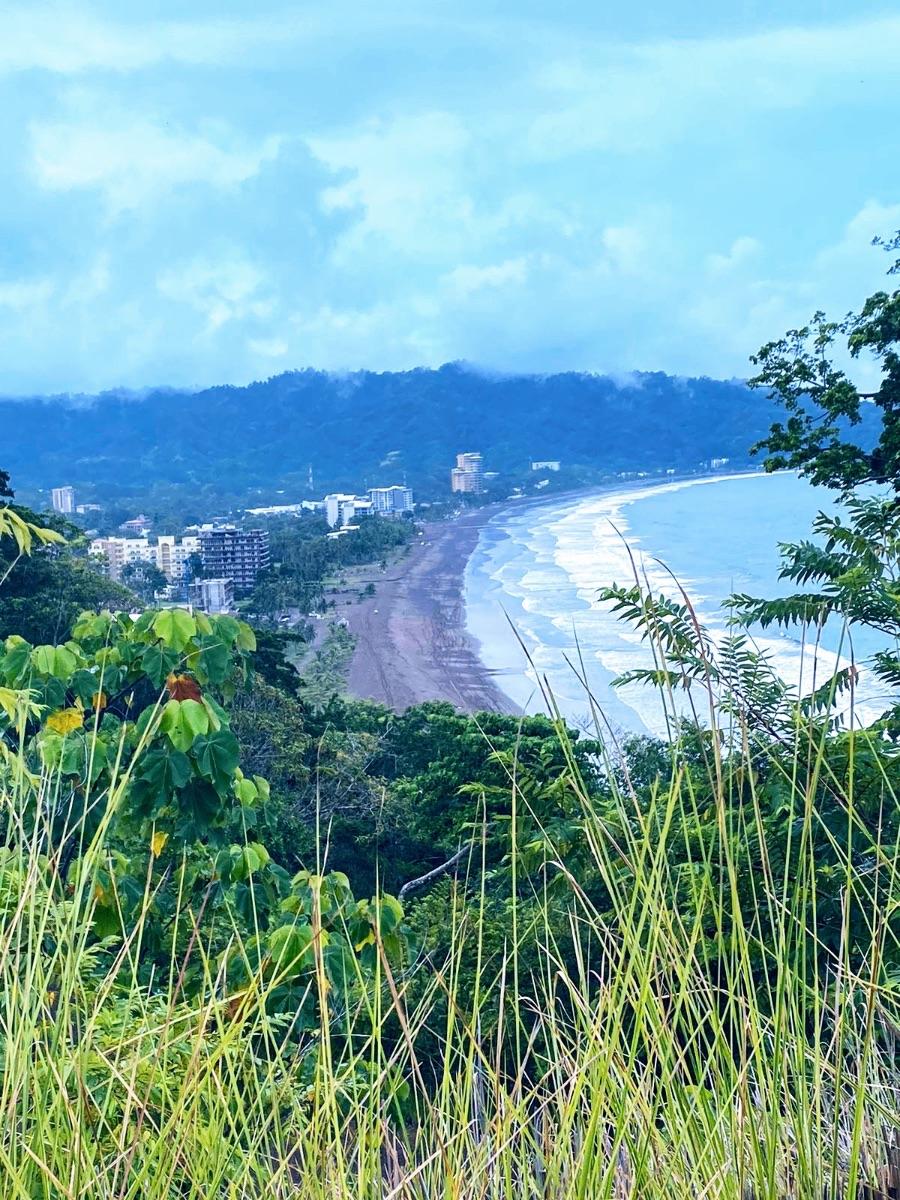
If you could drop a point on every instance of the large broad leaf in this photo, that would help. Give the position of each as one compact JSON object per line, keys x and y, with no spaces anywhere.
{"x":85,"y":684}
{"x":160,"y":774}
{"x":174,"y":627}
{"x":158,"y":662}
{"x":183,"y":721}
{"x":15,"y":663}
{"x":227,"y":628}
{"x":56,"y":661}
{"x":92,"y":626}
{"x":63,"y":754}
{"x":290,"y":947}
{"x":214,"y":658}
{"x":247,"y":860}
{"x":217,"y":757}
{"x":246,"y":637}
{"x":200,"y":805}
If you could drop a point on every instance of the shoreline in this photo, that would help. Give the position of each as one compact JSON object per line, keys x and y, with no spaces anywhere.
{"x":412,"y":641}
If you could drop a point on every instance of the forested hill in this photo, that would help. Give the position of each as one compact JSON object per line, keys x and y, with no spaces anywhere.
{"x":375,"y":428}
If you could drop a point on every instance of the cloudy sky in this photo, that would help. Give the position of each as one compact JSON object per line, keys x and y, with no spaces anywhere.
{"x":210,"y":191}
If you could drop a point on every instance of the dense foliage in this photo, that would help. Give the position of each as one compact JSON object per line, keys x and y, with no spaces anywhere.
{"x":304,"y":560}
{"x":803,"y":372}
{"x":43,"y":592}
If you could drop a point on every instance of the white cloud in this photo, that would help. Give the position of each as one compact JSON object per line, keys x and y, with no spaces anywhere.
{"x":135,"y":160}
{"x":268,"y":347}
{"x":466,"y":279}
{"x":66,"y":39}
{"x":874,"y":219}
{"x":432,"y":224}
{"x":21,"y":294}
{"x":406,"y":181}
{"x":222,"y":292}
{"x":629,"y":99}
{"x":742,"y":250}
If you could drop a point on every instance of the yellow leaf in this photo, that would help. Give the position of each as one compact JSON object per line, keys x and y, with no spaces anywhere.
{"x":157,"y":843}
{"x":98,"y":700}
{"x":65,"y":720}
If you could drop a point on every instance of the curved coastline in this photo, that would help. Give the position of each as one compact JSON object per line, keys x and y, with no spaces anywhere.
{"x":542,"y":572}
{"x":413,"y":639}
{"x":546,"y":609}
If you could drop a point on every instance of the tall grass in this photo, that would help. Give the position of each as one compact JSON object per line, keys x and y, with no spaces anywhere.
{"x":651,"y":1053}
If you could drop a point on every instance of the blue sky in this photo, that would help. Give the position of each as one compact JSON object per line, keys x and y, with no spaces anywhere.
{"x":203,"y":192}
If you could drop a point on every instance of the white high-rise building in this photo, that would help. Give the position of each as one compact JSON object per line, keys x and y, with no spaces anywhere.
{"x":64,"y":499}
{"x":467,"y":475}
{"x":334,"y":505}
{"x":342,"y":509}
{"x":172,"y":554}
{"x":389,"y":500}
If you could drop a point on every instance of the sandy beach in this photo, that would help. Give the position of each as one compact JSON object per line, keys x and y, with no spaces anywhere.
{"x":412,"y":642}
{"x":411,"y":639}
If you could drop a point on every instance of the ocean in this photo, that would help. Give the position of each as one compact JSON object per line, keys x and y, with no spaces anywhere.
{"x":533,"y":579}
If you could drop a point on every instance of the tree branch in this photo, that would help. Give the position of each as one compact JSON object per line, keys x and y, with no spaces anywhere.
{"x":413,"y":885}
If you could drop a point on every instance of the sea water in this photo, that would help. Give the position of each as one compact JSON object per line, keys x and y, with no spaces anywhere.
{"x":532,"y":583}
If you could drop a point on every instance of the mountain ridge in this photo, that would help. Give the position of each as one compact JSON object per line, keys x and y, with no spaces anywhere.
{"x":367,"y":427}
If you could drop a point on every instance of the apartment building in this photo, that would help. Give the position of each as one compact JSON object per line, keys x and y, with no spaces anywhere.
{"x":168,"y":553}
{"x":63,"y":499}
{"x":236,"y":554}
{"x":391,"y":501}
{"x":212,"y":595}
{"x":468,"y":474}
{"x":342,"y":509}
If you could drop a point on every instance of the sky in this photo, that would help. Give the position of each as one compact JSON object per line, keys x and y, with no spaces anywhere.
{"x":206,"y":192}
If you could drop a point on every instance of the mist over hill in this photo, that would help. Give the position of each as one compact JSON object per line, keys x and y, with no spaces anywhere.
{"x":368,"y":429}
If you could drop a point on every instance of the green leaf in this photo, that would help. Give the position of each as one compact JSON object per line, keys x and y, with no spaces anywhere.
{"x":91,"y":626}
{"x":290,"y":947}
{"x":214,"y":658}
{"x":390,"y":914}
{"x":246,"y":637}
{"x":200,"y":806}
{"x":174,"y":627}
{"x":85,"y":685}
{"x":183,"y":721}
{"x":245,"y":790}
{"x":217,"y":757}
{"x":160,"y":774}
{"x":227,"y":629}
{"x":16,"y":661}
{"x":56,"y":661}
{"x":158,"y":663}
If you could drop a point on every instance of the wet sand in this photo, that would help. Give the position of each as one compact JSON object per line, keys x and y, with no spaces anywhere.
{"x":411,"y":638}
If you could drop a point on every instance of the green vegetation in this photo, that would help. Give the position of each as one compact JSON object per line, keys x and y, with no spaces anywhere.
{"x":145,"y":579}
{"x":652,"y":969}
{"x":304,"y":560}
{"x":43,"y":593}
{"x":373,"y":427}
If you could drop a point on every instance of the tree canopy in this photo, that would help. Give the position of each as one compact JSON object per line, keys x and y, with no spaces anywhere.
{"x":803,"y":371}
